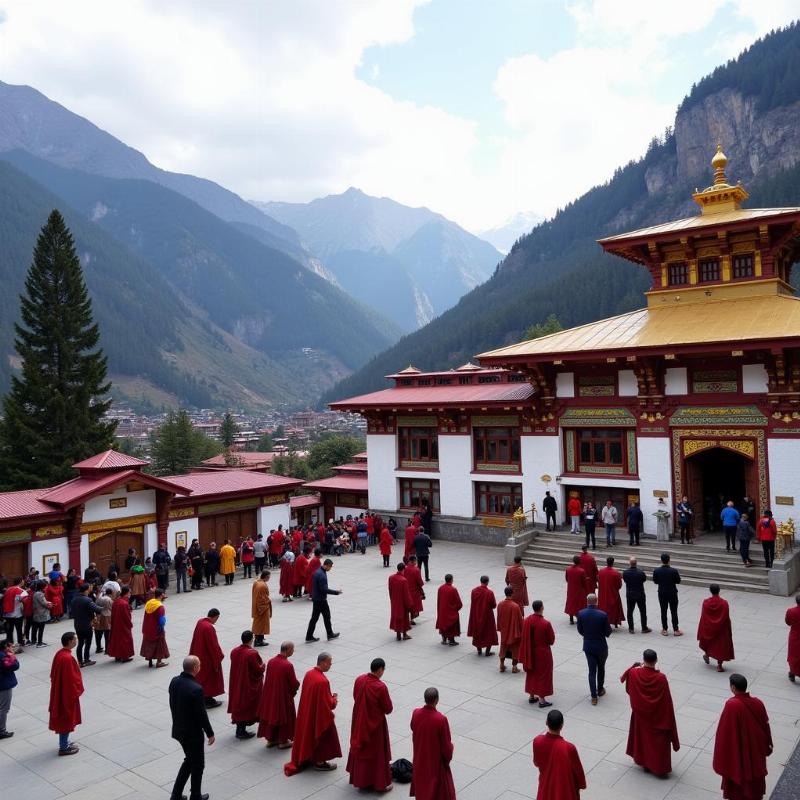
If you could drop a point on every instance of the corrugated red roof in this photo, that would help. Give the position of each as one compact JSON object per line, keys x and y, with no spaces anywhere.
{"x":305,"y":501}
{"x":340,"y":483}
{"x":24,"y":504}
{"x":350,"y":468}
{"x":402,"y":397}
{"x":242,"y":458}
{"x":110,"y":459}
{"x":201,"y":484}
{"x":79,"y":489}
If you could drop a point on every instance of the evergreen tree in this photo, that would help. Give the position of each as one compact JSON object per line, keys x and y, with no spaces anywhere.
{"x":228,"y":431}
{"x":263,"y":445}
{"x":176,"y":446}
{"x":550,"y":325}
{"x":54,"y":412}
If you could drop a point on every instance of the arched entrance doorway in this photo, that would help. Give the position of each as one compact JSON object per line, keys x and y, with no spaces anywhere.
{"x":111,"y":548}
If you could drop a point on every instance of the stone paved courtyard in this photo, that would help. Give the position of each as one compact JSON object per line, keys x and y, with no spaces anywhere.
{"x":127,"y":752}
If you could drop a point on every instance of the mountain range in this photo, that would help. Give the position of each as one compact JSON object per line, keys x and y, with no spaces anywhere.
{"x":517,"y":225}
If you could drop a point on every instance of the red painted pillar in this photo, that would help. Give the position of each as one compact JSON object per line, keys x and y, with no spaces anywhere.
{"x":74,"y":539}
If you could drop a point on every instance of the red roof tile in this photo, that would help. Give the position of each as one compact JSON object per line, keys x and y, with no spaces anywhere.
{"x":110,"y":459}
{"x":340,"y":483}
{"x":24,"y":504}
{"x":305,"y":501}
{"x":79,"y":489}
{"x":351,"y":468}
{"x":201,"y":484}
{"x":431,"y":396}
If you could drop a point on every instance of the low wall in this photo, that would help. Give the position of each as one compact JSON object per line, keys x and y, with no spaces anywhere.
{"x":457,"y":529}
{"x":784,"y":577}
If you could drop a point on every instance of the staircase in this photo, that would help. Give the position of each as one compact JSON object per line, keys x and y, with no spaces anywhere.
{"x":700,"y":564}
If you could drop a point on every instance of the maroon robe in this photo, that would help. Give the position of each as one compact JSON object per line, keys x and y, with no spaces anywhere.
{"x":276,"y":712}
{"x":370,"y":752}
{"x":386,"y":542}
{"x":431,"y":778}
{"x":120,"y":637}
{"x":793,"y":650}
{"x":536,"y":656}
{"x":416,"y":587}
{"x":315,"y":738}
{"x":576,"y":590}
{"x":448,"y":604}
{"x":482,"y":626}
{"x":400,"y":602}
{"x":408,"y":544}
{"x":205,"y":646}
{"x":590,"y":568}
{"x":286,"y":585}
{"x":247,"y":672}
{"x":609,"y":600}
{"x":509,"y":623}
{"x":154,"y":637}
{"x":66,"y":688}
{"x":313,"y":565}
{"x":561,"y":775}
{"x":518,"y":581}
{"x":714,"y":629}
{"x":741,"y":747}
{"x":300,"y":571}
{"x":653,"y":727}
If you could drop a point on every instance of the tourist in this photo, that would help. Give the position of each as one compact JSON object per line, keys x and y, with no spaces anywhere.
{"x":370,"y":754}
{"x":610,"y":582}
{"x":561,"y":775}
{"x":138,"y":584}
{"x":431,"y":778}
{"x":54,"y":592}
{"x":319,"y":597}
{"x":8,"y":680}
{"x":400,"y":603}
{"x":13,"y":598}
{"x":792,"y":619}
{"x":608,"y":517}
{"x":575,"y":577}
{"x":361,"y":534}
{"x":314,"y":563}
{"x":120,"y":639}
{"x":714,"y":629}
{"x":517,"y":579}
{"x":113,"y":584}
{"x":635,"y":596}
{"x":195,"y":555}
{"x":27,"y":614}
{"x":594,"y":627}
{"x":131,"y":560}
{"x":71,"y":583}
{"x":730,"y":518}
{"x":574,"y":512}
{"x":102,"y":621}
{"x":767,"y":533}
{"x":181,"y":564}
{"x":261,"y":608}
{"x":276,"y":713}
{"x":300,"y":573}
{"x":416,"y":587}
{"x":685,"y":513}
{"x":448,"y":604}
{"x":589,"y":565}
{"x":536,"y":656}
{"x":635,"y":524}
{"x":422,"y":550}
{"x":745,"y":533}
{"x":154,"y":639}
{"x":245,"y":682}
{"x":742,"y":744}
{"x":509,"y":624}
{"x":667,"y":578}
{"x":549,"y":506}
{"x":385,"y":545}
{"x":482,"y":625}
{"x":189,"y":724}
{"x":66,"y":688}
{"x":653,"y":728}
{"x":286,"y":581}
{"x":316,"y":740}
{"x":205,"y":645}
{"x":590,"y":523}
{"x":227,"y":562}
{"x":260,"y":551}
{"x":247,"y":557}
{"x":41,"y":615}
{"x":83,"y":611}
{"x":162,"y":561}
{"x":92,"y":575}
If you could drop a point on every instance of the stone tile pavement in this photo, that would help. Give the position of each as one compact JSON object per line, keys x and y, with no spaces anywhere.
{"x":127,"y":752}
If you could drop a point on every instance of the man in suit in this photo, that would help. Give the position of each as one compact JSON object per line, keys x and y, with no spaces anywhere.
{"x":634,"y":579}
{"x":593,"y":625}
{"x":319,"y":596}
{"x":667,"y":578}
{"x":422,"y":546}
{"x":549,"y":506}
{"x":189,"y":723}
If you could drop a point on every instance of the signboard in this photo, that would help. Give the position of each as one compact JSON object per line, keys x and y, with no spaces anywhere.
{"x":180,"y":538}
{"x":50,"y":530}
{"x":273,"y":499}
{"x":781,"y":500}
{"x":118,"y":502}
{"x":181,"y":513}
{"x":546,"y":478}
{"x":496,"y":522}
{"x":660,"y":493}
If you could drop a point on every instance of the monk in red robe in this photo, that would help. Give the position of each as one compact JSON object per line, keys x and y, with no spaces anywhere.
{"x":509,"y":623}
{"x":313,"y":565}
{"x":587,"y":561}
{"x":66,"y":688}
{"x":276,"y":712}
{"x":561,"y":775}
{"x":517,"y":579}
{"x":575,"y":577}
{"x":400,"y":603}
{"x":609,"y":581}
{"x":205,"y":646}
{"x":416,"y":587}
{"x":431,"y":778}
{"x":300,"y":573}
{"x":536,"y":655}
{"x":297,"y":541}
{"x":246,"y":677}
{"x":286,"y":583}
{"x":410,"y":533}
{"x":742,"y":744}
{"x":316,"y":740}
{"x":482,"y":626}
{"x":120,"y":637}
{"x":154,"y":638}
{"x":370,"y":753}
{"x":714,"y":629}
{"x":385,"y":545}
{"x":448,"y":604}
{"x":793,"y":649}
{"x":653,"y":727}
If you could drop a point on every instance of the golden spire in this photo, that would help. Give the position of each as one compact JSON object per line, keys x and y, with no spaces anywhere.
{"x":719,"y":162}
{"x":721,"y":196}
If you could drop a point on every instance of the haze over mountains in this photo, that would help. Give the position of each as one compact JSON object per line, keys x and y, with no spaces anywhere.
{"x":517,"y":225}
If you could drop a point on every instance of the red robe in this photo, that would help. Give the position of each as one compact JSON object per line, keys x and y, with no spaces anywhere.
{"x":448,"y":604}
{"x":370,"y":752}
{"x":416,"y":587}
{"x":518,"y":581}
{"x":247,"y":672}
{"x":793,"y":651}
{"x":400,"y":602}
{"x":55,"y":595}
{"x":286,"y":585}
{"x":300,"y":571}
{"x":154,"y":637}
{"x":714,"y":629}
{"x":411,"y":532}
{"x":386,"y":542}
{"x":297,"y":538}
{"x":482,"y":626}
{"x":431,"y":778}
{"x":537,"y":638}
{"x":120,"y":637}
{"x":561,"y":774}
{"x":276,"y":712}
{"x":66,"y":688}
{"x":276,"y":544}
{"x":653,"y":727}
{"x":509,"y":623}
{"x":313,"y":565}
{"x":741,"y":747}
{"x":316,"y":738}
{"x":576,"y":590}
{"x":205,"y":646}
{"x":609,"y":600}
{"x":590,"y":568}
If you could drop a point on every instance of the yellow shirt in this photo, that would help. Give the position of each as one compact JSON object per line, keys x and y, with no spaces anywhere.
{"x":227,"y":559}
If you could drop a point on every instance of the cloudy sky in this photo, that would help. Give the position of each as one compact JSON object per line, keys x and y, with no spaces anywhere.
{"x":475,"y":108}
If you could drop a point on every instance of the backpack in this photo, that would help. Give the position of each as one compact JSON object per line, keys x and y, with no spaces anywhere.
{"x":402,"y":770}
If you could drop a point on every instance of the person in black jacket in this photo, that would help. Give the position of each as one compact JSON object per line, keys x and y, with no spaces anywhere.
{"x":189,"y":723}
{"x":634,"y":579}
{"x":319,"y":597}
{"x":422,"y":546}
{"x":635,"y":523}
{"x":549,"y":506}
{"x":593,"y":625}
{"x":667,"y":579}
{"x":83,"y":610}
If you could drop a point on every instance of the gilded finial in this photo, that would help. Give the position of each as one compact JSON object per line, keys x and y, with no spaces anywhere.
{"x":719,"y":162}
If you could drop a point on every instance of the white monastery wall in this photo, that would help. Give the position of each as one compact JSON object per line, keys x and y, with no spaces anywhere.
{"x":269,"y":517}
{"x":343,"y":511}
{"x":541,"y":455}
{"x":382,"y":480}
{"x":754,"y":379}
{"x":628,"y":387}
{"x":676,"y":381}
{"x":784,"y":477}
{"x":190,"y":525}
{"x":84,"y":552}
{"x":98,"y":508}
{"x":565,"y":384}
{"x":151,"y":539}
{"x":654,"y":474}
{"x":45,"y":547}
{"x":455,"y":481}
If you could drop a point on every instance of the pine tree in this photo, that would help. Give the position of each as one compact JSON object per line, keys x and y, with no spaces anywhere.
{"x":176,"y":446}
{"x":54,"y":412}
{"x":228,"y":431}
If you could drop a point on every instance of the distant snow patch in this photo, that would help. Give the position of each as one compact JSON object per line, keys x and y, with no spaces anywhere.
{"x":98,"y":212}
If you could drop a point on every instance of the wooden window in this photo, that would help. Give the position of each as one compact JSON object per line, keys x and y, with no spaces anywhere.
{"x":414,"y":491}
{"x":497,"y":498}
{"x":423,"y":381}
{"x":517,"y":379}
{"x":405,"y":381}
{"x":601,"y":447}
{"x":743,"y":266}
{"x":709,"y":270}
{"x":465,"y":380}
{"x":488,"y":379}
{"x":443,"y":381}
{"x":678,"y":274}
{"x":418,"y":445}
{"x":498,"y":446}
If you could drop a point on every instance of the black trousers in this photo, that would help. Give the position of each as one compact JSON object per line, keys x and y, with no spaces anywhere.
{"x":248,"y":569}
{"x":672,"y":604}
{"x":14,"y":624}
{"x":194,"y":762}
{"x":744,"y":550}
{"x":769,"y":553}
{"x":597,"y":671}
{"x":386,"y":561}
{"x":730,"y":537}
{"x":101,"y":639}
{"x":163,"y":581}
{"x":686,"y":536}
{"x":642,"y":606}
{"x":633,"y":534}
{"x":37,"y":632}
{"x":321,"y":609}
{"x":259,"y":564}
{"x":550,"y":516}
{"x":422,"y":561}
{"x":590,"y":528}
{"x":84,"y":646}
